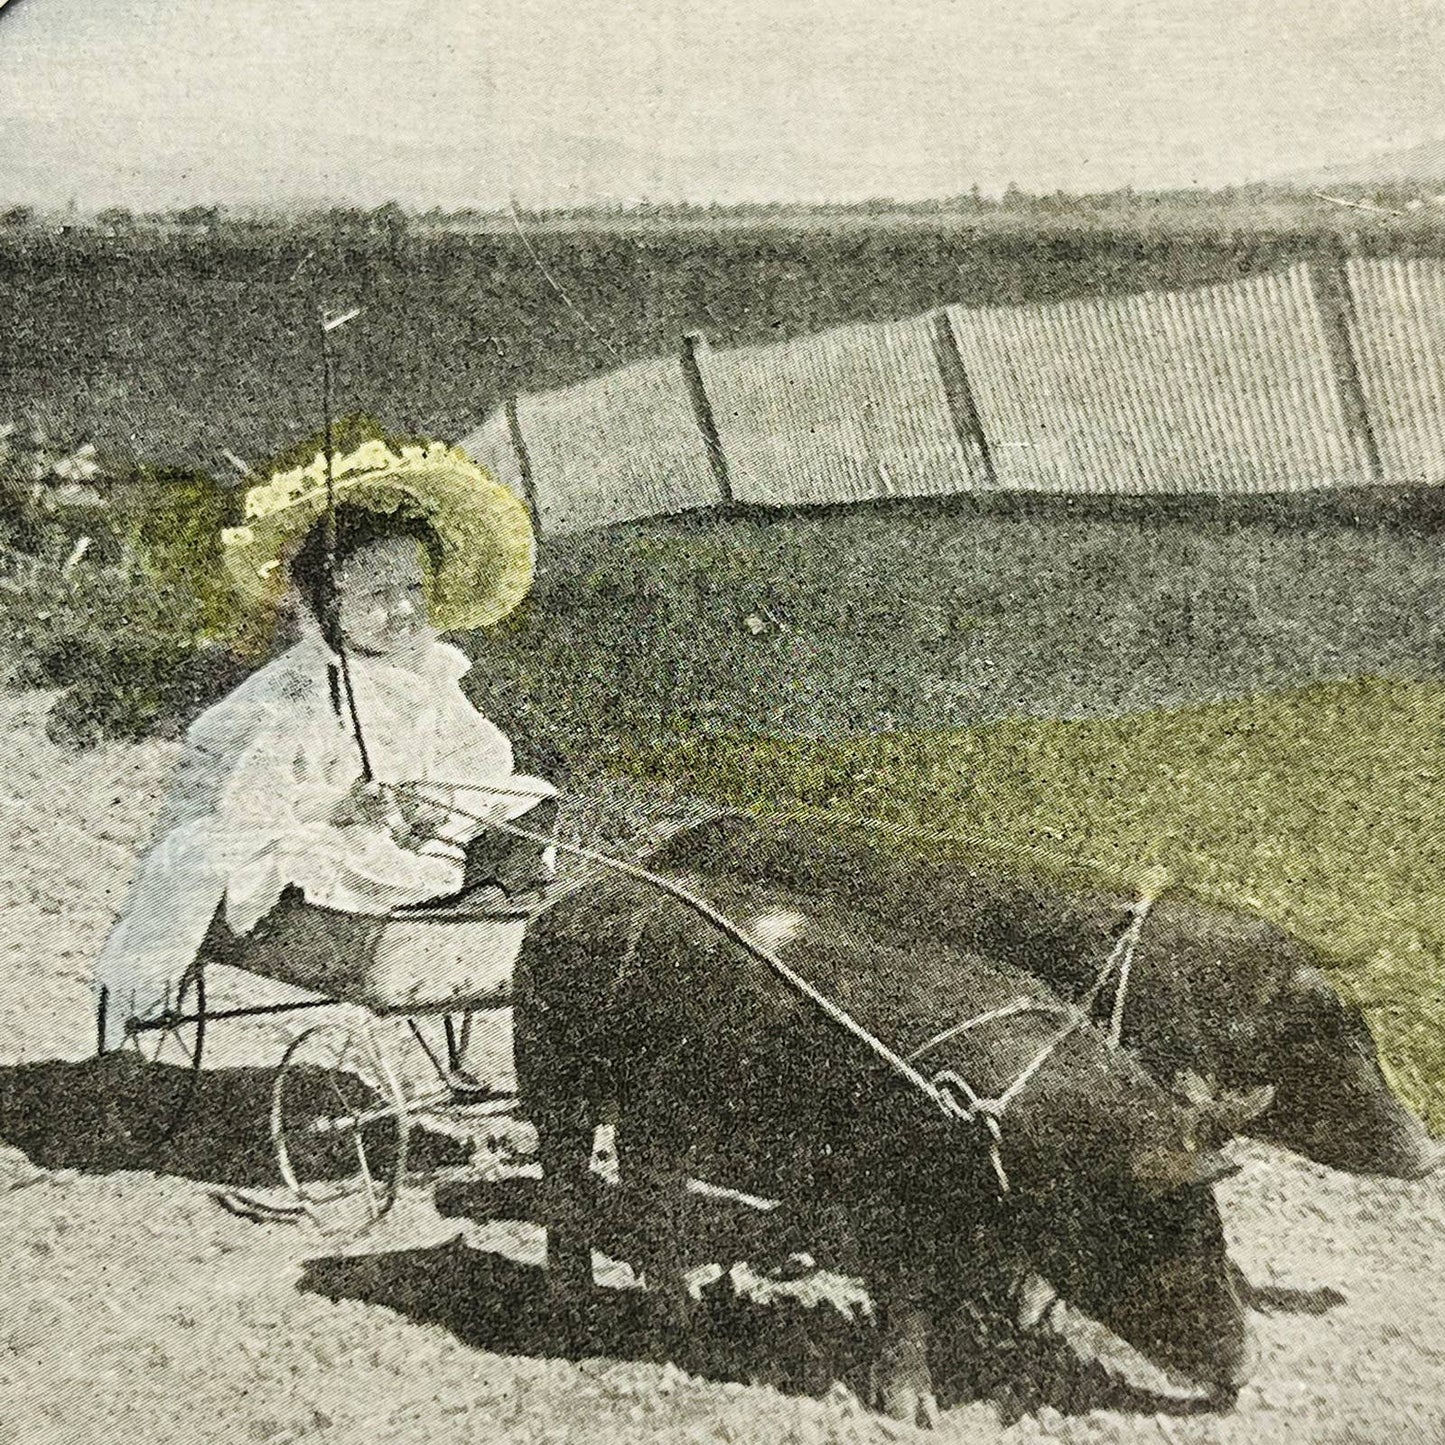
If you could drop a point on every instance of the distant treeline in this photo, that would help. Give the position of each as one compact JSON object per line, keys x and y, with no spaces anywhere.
{"x":1259,"y":204}
{"x":176,"y":345}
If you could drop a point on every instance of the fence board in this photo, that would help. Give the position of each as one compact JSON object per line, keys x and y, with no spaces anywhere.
{"x":618,"y":447}
{"x":846,"y":416}
{"x":1221,"y":389}
{"x":1397,"y":325}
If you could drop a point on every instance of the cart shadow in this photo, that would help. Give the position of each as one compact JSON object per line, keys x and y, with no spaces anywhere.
{"x":62,"y":1115}
{"x":495,"y":1302}
{"x":492,"y":1302}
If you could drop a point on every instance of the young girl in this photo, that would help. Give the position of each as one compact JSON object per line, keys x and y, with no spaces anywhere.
{"x":279,"y":788}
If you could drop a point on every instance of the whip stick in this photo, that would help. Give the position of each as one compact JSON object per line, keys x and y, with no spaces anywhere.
{"x":333,"y":609}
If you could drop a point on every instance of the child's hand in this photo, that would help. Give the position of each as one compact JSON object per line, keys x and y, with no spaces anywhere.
{"x":366,"y":804}
{"x":425,"y":815}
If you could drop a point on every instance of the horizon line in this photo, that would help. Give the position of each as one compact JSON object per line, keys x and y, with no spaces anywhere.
{"x":1011,"y":196}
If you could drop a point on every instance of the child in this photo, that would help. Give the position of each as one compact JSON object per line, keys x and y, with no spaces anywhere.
{"x":352,"y":767}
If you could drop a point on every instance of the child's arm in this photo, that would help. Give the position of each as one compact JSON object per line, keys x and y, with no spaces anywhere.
{"x":293,"y":780}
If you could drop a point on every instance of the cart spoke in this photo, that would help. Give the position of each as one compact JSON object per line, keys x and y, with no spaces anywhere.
{"x":151,"y":1112}
{"x":368,"y":1183}
{"x":339,"y":1123}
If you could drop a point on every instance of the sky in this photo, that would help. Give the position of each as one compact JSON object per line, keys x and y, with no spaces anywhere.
{"x":466,"y":102}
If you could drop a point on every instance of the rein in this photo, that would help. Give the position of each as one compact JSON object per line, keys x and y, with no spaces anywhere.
{"x":946,"y":1090}
{"x":338,"y":673}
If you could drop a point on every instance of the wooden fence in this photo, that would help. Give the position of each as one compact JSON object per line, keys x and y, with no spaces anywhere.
{"x":1397,"y":331}
{"x":867,"y":403}
{"x":1223,"y":389}
{"x":1312,"y":377}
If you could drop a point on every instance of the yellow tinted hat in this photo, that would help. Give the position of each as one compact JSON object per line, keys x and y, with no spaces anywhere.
{"x":487,"y":546}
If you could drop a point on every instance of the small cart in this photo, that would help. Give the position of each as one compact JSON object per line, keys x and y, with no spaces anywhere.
{"x":345,"y":1098}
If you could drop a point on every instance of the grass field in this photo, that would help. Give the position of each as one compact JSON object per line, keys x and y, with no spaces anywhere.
{"x":174,"y":347}
{"x":1320,"y":808}
{"x":929,"y":616}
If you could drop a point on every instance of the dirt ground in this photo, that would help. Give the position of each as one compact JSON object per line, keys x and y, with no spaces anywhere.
{"x":133,"y":1307}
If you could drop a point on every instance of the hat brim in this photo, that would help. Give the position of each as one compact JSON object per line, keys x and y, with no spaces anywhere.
{"x":488,"y":549}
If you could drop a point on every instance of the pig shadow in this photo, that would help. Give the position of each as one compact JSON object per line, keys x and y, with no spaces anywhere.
{"x":1281,"y":1299}
{"x":64,"y":1115}
{"x":493,"y":1302}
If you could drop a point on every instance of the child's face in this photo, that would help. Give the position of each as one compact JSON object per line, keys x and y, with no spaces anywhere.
{"x":381,"y":600}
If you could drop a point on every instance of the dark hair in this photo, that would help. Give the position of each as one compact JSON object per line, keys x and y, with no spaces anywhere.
{"x":356,"y":529}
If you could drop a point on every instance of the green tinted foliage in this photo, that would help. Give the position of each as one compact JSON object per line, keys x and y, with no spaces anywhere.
{"x":1319,"y":808}
{"x":174,"y":521}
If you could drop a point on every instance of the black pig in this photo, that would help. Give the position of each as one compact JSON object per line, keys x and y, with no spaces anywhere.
{"x":1213,"y":993}
{"x":631,"y":1006}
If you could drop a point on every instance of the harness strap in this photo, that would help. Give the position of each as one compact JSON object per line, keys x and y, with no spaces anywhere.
{"x":1121,"y":957}
{"x":948,"y":1091}
{"x":1008,"y":1010}
{"x":972,"y":1108}
{"x":733,"y":931}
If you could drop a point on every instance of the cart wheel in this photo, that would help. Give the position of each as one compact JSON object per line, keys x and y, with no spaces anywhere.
{"x":152,"y":1076}
{"x":340,"y":1126}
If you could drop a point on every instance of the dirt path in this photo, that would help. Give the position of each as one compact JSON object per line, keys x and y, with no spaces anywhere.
{"x":133,"y":1308}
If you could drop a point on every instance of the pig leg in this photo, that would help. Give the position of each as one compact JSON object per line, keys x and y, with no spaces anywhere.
{"x":565,"y":1149}
{"x":904,"y":1380}
{"x":903,"y":1290}
{"x":654,"y":1184}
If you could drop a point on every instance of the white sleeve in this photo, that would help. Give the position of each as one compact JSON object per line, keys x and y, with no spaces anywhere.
{"x":274,"y":820}
{"x":289,"y":779}
{"x":471,"y":748}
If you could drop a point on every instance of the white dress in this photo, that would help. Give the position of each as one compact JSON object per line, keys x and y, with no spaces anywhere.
{"x":250,"y":802}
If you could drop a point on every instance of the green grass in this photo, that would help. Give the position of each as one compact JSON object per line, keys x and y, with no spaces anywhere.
{"x":1320,"y":808}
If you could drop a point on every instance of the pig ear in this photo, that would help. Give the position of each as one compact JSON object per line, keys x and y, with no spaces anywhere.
{"x":1163,"y":1171}
{"x":1190,"y":1087}
{"x":1231,"y":1110}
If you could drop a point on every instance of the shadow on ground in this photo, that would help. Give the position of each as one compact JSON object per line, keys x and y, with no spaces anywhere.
{"x":68,"y":1115}
{"x":494,"y":1302}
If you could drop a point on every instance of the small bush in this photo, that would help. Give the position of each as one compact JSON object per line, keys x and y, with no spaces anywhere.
{"x":117,"y":595}
{"x":146,"y":630}
{"x":145,"y":690}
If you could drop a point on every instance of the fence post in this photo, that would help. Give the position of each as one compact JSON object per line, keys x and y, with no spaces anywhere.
{"x":694,"y":348}
{"x":524,"y":463}
{"x":967,"y":424}
{"x":1332,"y":291}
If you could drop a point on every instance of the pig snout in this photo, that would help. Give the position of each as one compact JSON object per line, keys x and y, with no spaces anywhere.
{"x":1205,"y":1341}
{"x":1334,"y":1103}
{"x":1359,"y":1127}
{"x":1404,"y":1150}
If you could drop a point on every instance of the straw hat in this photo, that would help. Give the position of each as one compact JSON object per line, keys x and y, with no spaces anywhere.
{"x":488,"y":548}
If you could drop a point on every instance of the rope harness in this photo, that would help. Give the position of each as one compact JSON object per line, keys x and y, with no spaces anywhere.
{"x":946,"y":1090}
